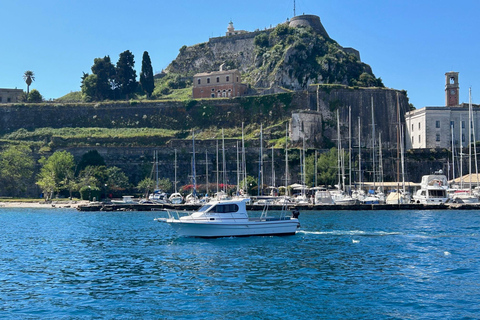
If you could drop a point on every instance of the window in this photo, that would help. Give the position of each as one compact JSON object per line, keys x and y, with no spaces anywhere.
{"x":437,"y":137}
{"x":199,"y":81}
{"x":437,"y":124}
{"x":227,"y":78}
{"x":452,"y":124}
{"x":463,"y":124}
{"x":419,"y":139}
{"x":0,"y":99}
{"x":237,"y":79}
{"x":419,"y":126}
{"x":412,"y":140}
{"x":208,"y":80}
{"x":463,"y":137}
{"x":412,"y":127}
{"x":218,"y":79}
{"x":213,"y":95}
{"x":9,"y":99}
{"x":225,"y":208}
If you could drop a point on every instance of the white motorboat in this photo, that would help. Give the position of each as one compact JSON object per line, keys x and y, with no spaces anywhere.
{"x":229,"y":218}
{"x":433,"y":189}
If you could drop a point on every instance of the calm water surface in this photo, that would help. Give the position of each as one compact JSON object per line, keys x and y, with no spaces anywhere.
{"x":358,"y":265}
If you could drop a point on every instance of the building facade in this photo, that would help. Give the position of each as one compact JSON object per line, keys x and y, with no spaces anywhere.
{"x":10,"y":95}
{"x":438,"y":127}
{"x":218,"y":84}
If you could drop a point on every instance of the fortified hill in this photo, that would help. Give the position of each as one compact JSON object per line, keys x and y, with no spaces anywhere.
{"x":295,"y":73}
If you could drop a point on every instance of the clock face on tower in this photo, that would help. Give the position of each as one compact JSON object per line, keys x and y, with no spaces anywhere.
{"x":452,"y":91}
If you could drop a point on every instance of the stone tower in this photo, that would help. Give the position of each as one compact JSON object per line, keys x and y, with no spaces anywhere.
{"x":451,"y":89}
{"x":309,"y":20}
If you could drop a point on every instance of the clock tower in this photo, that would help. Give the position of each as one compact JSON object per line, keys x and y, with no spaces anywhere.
{"x":451,"y":89}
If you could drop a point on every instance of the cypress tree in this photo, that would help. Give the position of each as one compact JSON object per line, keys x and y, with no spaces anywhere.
{"x":146,"y":75}
{"x":126,"y":74}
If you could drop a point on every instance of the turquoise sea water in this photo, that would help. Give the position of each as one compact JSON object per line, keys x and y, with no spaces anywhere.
{"x":59,"y":263}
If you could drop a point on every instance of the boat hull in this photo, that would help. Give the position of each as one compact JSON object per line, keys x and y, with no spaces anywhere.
{"x":247,"y":229}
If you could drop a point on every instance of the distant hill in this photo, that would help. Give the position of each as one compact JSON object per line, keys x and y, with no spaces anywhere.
{"x":283,"y":57}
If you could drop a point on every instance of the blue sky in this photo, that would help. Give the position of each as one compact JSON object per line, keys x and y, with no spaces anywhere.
{"x":409,"y":44}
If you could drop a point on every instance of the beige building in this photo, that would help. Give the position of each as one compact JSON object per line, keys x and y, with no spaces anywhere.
{"x":218,"y":84}
{"x":10,"y":95}
{"x":435,"y":127}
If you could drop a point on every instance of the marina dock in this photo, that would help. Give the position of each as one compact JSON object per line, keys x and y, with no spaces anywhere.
{"x":191,"y":207}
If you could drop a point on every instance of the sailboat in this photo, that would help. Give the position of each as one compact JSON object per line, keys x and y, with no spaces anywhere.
{"x":158,"y":195}
{"x":466,"y":195}
{"x":176,"y":197}
{"x":399,"y":196}
{"x":192,"y":197}
{"x":339,"y":196}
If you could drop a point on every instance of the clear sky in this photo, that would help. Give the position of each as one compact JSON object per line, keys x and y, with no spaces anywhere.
{"x":410,"y":44}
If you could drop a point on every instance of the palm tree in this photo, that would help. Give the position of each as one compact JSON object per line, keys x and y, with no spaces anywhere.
{"x":28,"y":76}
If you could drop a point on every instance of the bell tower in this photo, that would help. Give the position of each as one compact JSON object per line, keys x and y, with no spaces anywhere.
{"x":451,"y":89}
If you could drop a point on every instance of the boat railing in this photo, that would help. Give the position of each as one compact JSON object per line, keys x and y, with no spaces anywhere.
{"x":187,"y":215}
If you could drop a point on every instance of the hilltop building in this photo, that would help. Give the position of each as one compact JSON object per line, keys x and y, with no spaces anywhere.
{"x":218,"y":84}
{"x":10,"y":95}
{"x":231,"y":30}
{"x":435,"y":127}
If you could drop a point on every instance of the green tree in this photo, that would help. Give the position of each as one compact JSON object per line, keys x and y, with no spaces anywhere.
{"x":16,"y":169}
{"x":56,"y":172}
{"x":146,"y":75}
{"x":146,"y":186}
{"x":116,"y":179}
{"x":29,"y":77}
{"x":89,"y":87}
{"x":34,"y":96}
{"x":126,"y":74}
{"x":103,"y":85}
{"x":327,"y":168}
{"x":90,"y":158}
{"x":251,"y":185}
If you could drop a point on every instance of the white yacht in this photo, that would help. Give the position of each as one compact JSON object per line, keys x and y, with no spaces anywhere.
{"x":229,"y":218}
{"x":433,"y":189}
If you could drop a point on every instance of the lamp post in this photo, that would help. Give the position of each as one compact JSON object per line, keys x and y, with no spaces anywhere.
{"x":89,"y":193}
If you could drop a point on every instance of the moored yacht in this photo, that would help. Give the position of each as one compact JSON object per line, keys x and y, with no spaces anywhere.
{"x":433,"y":189}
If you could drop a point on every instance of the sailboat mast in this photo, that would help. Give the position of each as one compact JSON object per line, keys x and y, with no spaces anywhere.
{"x":373,"y":145}
{"x":339,"y":146}
{"x":206,"y":170}
{"x":156,"y":170}
{"x":350,"y":148}
{"x":193,"y":166}
{"x":453,"y":153}
{"x":273,"y":169}
{"x":470,"y":140}
{"x":359,"y":155}
{"x":244,"y":167}
{"x":398,"y":142}
{"x":286,"y":160}
{"x":217,"y":167}
{"x":224,"y":164}
{"x":474,"y":137}
{"x":461,"y":154}
{"x":402,"y":158}
{"x":175,"y":170}
{"x":238,"y":171}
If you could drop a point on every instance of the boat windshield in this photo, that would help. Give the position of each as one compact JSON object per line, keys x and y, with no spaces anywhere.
{"x":204,"y":208}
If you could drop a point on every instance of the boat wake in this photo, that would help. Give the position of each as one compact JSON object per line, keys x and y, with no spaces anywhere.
{"x":350,"y":233}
